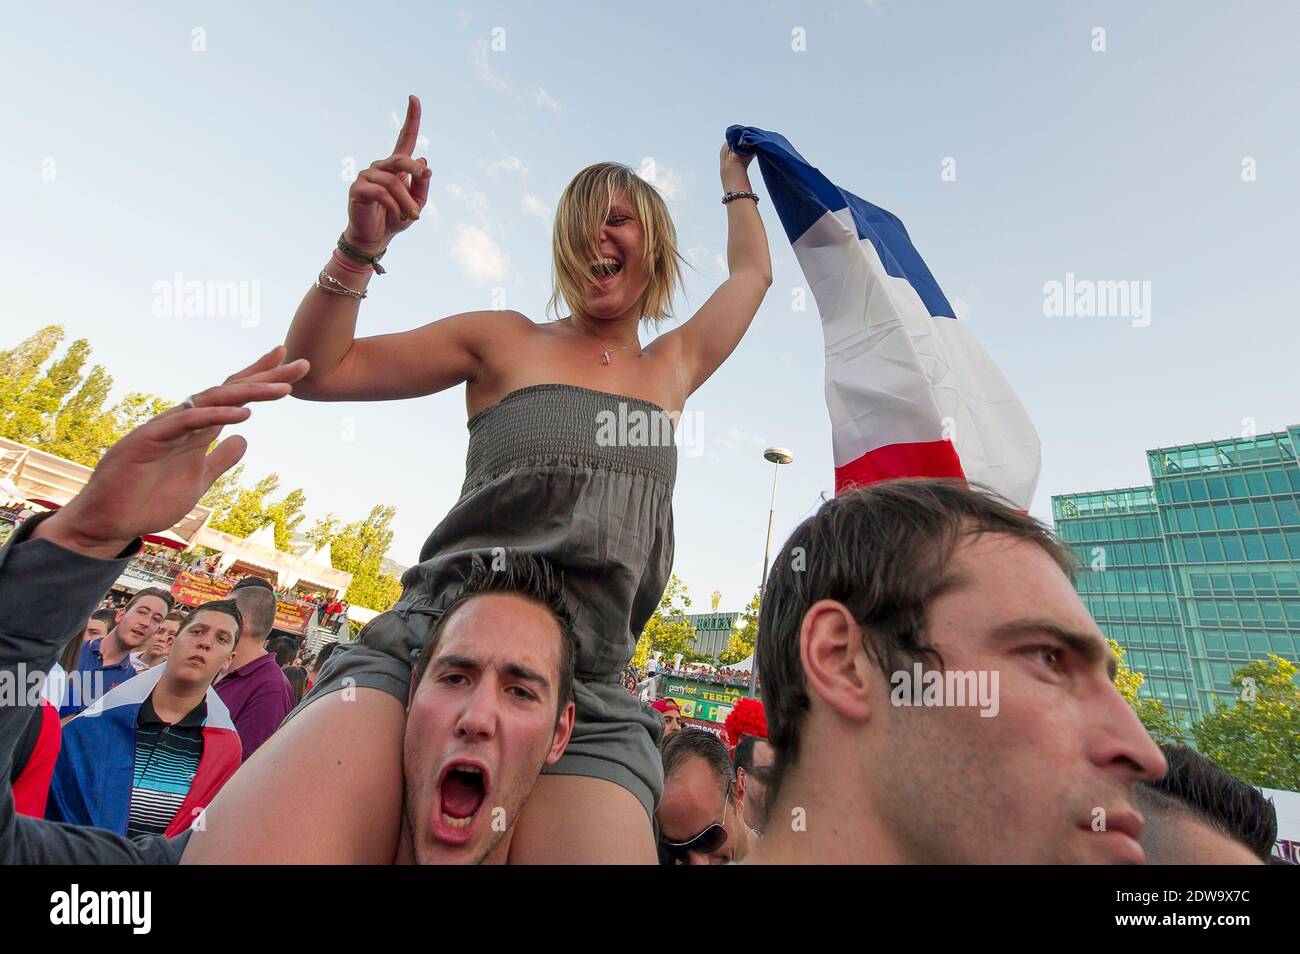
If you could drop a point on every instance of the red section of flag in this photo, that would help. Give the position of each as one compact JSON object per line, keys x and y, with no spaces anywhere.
{"x":929,"y":459}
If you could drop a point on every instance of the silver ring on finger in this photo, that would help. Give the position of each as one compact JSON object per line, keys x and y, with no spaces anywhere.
{"x":189,"y":402}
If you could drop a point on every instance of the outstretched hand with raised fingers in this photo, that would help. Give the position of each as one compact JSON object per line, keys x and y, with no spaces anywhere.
{"x":387,"y":197}
{"x":153,"y":477}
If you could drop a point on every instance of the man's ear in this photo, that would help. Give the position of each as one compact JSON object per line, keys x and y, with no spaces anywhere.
{"x":563,"y":730}
{"x":835,"y":662}
{"x":117,"y":617}
{"x":739,"y":797}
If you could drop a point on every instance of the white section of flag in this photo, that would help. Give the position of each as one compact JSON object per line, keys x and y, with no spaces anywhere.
{"x":897,"y":375}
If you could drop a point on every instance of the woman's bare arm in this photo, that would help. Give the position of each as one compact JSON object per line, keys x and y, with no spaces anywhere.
{"x":413,"y":363}
{"x":384,"y":201}
{"x":713,"y":332}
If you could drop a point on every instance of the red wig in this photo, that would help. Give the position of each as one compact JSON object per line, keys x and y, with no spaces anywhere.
{"x":746,"y":718}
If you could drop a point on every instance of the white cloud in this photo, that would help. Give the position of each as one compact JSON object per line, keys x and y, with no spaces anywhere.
{"x":510,"y":165}
{"x":533,"y":206}
{"x":670,"y":183}
{"x":706,"y":260}
{"x":475,"y":200}
{"x":545,"y":101}
{"x":483,"y":70}
{"x":478,"y":255}
{"x":735,"y":439}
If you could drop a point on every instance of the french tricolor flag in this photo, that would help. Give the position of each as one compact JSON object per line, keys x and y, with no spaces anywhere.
{"x":910,"y":393}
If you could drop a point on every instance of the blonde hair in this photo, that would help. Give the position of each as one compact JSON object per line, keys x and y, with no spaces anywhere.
{"x":576,"y":238}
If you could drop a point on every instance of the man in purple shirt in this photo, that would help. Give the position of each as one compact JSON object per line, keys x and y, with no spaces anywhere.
{"x":254,"y":689}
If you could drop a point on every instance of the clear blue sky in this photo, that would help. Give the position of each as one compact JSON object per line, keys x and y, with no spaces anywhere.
{"x":225,"y":165}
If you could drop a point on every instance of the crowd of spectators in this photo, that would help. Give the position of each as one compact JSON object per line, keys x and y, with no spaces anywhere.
{"x":702,"y":672}
{"x":984,"y":588}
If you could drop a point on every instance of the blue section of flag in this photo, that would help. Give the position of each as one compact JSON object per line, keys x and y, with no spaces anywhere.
{"x":802,"y":195}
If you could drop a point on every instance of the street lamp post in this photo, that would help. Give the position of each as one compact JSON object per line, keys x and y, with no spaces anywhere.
{"x":778,"y":456}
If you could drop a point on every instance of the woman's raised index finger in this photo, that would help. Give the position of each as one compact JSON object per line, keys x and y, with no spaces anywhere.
{"x":410,"y":134}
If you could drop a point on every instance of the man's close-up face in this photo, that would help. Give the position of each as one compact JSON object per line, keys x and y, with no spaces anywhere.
{"x":137,"y":623}
{"x":693,"y":801}
{"x":1047,"y":779}
{"x":481,"y":724}
{"x":203,"y":649}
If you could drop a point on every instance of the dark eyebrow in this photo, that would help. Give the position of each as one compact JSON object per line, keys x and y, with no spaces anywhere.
{"x":526,"y":674}
{"x":1091,"y":648}
{"x":457,"y":662}
{"x":514,"y":670}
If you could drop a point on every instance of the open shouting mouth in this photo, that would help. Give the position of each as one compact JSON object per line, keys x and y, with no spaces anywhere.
{"x":462,"y":791}
{"x":604,"y":270}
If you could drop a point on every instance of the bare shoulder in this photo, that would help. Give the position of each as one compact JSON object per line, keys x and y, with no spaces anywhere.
{"x":478,"y":334}
{"x":492,"y":322}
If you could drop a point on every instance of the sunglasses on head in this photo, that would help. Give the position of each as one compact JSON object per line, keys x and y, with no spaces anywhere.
{"x":706,"y":842}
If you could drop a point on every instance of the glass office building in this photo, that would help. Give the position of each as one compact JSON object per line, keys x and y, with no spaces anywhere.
{"x":1199,"y":573}
{"x":712,"y":632}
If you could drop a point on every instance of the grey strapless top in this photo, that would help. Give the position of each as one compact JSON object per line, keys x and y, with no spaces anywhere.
{"x":581,"y":478}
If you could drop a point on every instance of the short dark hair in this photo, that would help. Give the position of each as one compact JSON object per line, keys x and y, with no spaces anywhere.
{"x":175,"y":616}
{"x":283,"y":648}
{"x":106,"y":616}
{"x":253,"y":581}
{"x":882,"y":552}
{"x":682,"y":746}
{"x":154,"y":591}
{"x":745,"y":752}
{"x":321,"y":657}
{"x":258,"y":606}
{"x":229,"y":607}
{"x":297,"y":677}
{"x":1224,"y":802}
{"x":524,"y":575}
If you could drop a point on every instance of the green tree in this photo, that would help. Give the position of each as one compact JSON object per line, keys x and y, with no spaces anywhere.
{"x":744,"y":634}
{"x":21,"y":366}
{"x":1257,"y":738}
{"x":247,"y":510}
{"x":1162,"y":726}
{"x":83,"y":430}
{"x":359,"y":548}
{"x":31,"y":421}
{"x":61,"y":410}
{"x":287,"y":515}
{"x":323,"y":530}
{"x":224,"y":491}
{"x":669,"y":631}
{"x":136,"y":408}
{"x":641,"y":654}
